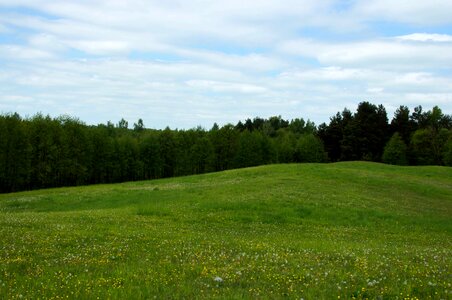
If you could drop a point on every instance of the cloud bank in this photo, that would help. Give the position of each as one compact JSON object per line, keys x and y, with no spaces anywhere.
{"x":192,"y":63}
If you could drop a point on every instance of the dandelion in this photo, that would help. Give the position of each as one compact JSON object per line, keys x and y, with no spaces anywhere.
{"x":218,"y":279}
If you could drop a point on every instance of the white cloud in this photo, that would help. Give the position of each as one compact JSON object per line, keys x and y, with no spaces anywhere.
{"x":46,"y":42}
{"x":218,"y":86}
{"x":419,"y":12}
{"x":248,"y":62}
{"x":382,"y":53}
{"x":324,"y":74}
{"x":375,"y":90}
{"x":244,"y":23}
{"x":182,"y":63}
{"x":14,"y":52}
{"x":100,"y":46}
{"x":426,"y":37}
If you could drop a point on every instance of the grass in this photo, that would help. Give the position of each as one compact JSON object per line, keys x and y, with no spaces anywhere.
{"x":312,"y":231}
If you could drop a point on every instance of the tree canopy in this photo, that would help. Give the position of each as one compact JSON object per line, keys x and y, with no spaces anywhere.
{"x":41,"y":151}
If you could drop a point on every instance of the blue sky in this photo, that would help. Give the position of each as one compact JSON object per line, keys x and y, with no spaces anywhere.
{"x":190,"y":63}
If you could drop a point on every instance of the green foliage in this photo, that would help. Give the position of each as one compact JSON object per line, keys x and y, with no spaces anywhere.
{"x":285,"y":145}
{"x":447,"y":156}
{"x":332,"y":135}
{"x":395,"y":152}
{"x":361,"y":136}
{"x":45,"y":137}
{"x":41,"y":152}
{"x":202,"y":156}
{"x":138,"y":126}
{"x":14,"y":153}
{"x":427,"y":145}
{"x":252,"y":150}
{"x":365,"y":135}
{"x":150,"y":154}
{"x":421,"y":144}
{"x":168,"y":151}
{"x":123,"y":124}
{"x":224,"y":145}
{"x":402,"y":124}
{"x":74,"y":156}
{"x":311,"y":231}
{"x":309,"y":148}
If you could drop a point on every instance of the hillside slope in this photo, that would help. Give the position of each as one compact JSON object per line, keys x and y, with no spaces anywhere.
{"x":302,"y":230}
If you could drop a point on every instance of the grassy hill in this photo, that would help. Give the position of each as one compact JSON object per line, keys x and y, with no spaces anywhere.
{"x":309,"y":231}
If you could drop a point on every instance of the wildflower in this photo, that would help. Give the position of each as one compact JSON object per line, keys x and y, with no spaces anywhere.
{"x":218,"y":279}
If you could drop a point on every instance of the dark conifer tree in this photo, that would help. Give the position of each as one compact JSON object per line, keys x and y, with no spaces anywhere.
{"x":366,"y":135}
{"x":402,"y":124}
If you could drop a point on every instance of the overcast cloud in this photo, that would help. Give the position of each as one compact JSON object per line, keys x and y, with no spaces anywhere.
{"x":189,"y":63}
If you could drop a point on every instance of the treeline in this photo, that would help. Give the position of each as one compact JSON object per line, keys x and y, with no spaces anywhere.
{"x":417,"y":138}
{"x":42,"y":152}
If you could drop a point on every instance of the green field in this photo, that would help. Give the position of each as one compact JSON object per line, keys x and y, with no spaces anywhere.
{"x":312,"y":231}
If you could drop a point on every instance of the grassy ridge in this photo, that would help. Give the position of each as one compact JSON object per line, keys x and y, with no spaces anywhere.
{"x":313,"y":231}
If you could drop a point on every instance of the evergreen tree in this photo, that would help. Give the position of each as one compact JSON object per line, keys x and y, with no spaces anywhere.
{"x":419,"y":118}
{"x":277,"y":122}
{"x":365,"y":136}
{"x":332,"y":135}
{"x":249,"y":125}
{"x":402,"y":124}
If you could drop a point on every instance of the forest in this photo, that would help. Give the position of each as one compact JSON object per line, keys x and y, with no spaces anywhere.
{"x":43,"y":152}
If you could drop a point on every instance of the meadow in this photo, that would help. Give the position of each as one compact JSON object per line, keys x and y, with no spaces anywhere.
{"x":351,"y":230}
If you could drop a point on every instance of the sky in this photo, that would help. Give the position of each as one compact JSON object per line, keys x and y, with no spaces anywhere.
{"x":184,"y":64}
